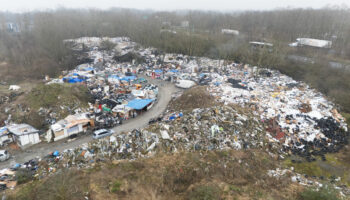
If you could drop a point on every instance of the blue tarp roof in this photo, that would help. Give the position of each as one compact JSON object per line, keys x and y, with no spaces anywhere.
{"x":158,"y":71}
{"x":174,"y":70}
{"x":139,"y":104}
{"x":73,"y":80}
{"x":114,"y":76}
{"x":127,"y":78}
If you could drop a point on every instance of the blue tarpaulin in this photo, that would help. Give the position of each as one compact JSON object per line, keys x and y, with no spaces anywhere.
{"x":73,"y":80}
{"x":3,"y":130}
{"x":128,"y":78}
{"x":56,"y":153}
{"x":88,"y":69}
{"x":202,"y":75}
{"x":114,"y":76}
{"x":17,"y":165}
{"x":174,"y":70}
{"x":139,"y":104}
{"x":158,"y":71}
{"x":174,"y":116}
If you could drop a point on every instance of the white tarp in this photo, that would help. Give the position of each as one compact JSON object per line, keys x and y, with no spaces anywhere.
{"x":185,"y":84}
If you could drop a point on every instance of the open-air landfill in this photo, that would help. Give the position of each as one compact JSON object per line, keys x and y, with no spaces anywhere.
{"x":254,"y":108}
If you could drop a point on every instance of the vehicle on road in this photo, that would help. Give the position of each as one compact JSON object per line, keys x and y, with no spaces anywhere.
{"x":4,"y":155}
{"x":102,"y":133}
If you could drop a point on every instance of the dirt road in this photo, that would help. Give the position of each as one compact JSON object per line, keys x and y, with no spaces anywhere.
{"x":42,"y":149}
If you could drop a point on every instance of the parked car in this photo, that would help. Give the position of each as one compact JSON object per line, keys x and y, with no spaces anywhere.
{"x":102,"y":133}
{"x":4,"y":155}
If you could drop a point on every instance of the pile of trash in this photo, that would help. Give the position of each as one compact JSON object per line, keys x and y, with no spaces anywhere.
{"x":239,"y":107}
{"x":301,"y":119}
{"x":203,"y":129}
{"x":117,"y":92}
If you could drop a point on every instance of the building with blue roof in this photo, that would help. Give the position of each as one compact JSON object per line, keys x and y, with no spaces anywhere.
{"x":139,"y":104}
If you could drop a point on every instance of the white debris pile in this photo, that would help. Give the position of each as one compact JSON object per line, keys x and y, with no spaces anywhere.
{"x":298,"y":117}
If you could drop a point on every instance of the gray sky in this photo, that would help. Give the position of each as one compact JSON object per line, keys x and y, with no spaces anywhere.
{"x":221,"y":5}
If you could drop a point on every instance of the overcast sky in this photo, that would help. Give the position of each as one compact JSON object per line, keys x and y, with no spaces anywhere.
{"x":220,"y":5}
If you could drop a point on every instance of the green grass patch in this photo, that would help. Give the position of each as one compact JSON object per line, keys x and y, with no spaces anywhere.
{"x":309,"y":168}
{"x":332,"y":159}
{"x":324,"y":193}
{"x":234,"y":188}
{"x":56,"y":95}
{"x":205,"y":192}
{"x":115,"y":186}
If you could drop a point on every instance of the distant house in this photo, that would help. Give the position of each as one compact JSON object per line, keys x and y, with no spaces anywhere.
{"x":229,"y":32}
{"x":12,"y":27}
{"x":185,"y":24}
{"x":300,"y":42}
{"x":24,"y":134}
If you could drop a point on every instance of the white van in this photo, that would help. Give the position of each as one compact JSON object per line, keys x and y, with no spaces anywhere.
{"x":102,"y":133}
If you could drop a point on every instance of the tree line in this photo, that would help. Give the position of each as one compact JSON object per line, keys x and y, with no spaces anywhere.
{"x":37,"y":49}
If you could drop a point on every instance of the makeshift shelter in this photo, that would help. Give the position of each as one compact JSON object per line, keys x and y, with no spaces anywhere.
{"x":158,"y":71}
{"x":138,"y":93}
{"x":71,"y":125}
{"x":24,"y":134}
{"x":122,"y":111}
{"x":140,"y":104}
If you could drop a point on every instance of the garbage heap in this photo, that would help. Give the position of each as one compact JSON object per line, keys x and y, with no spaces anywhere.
{"x":216,"y":128}
{"x":296,"y":116}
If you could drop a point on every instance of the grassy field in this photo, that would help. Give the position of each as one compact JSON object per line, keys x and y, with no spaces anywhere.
{"x":201,"y":175}
{"x":58,"y":100}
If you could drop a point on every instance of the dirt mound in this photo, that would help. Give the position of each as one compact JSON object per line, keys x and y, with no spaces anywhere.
{"x":196,"y":97}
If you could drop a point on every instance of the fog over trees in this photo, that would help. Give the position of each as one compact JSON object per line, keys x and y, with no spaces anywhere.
{"x":36,"y":48}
